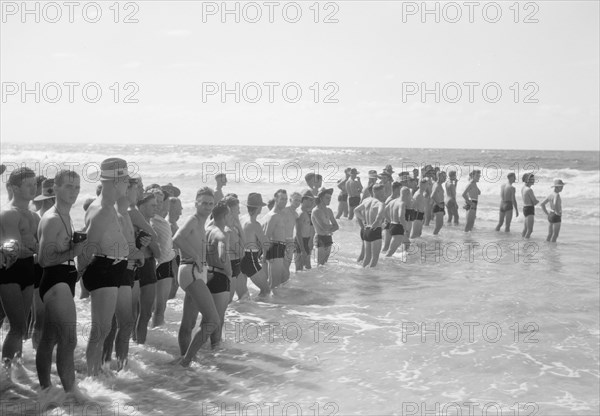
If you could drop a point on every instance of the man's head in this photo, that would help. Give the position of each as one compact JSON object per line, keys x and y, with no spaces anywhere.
{"x":220,"y":213}
{"x":113,"y":172}
{"x":379,"y":191}
{"x":452,"y":175}
{"x":310,"y":179}
{"x":175,"y":209}
{"x":308,"y":201}
{"x":66,"y":186}
{"x":347,"y":172}
{"x":353,"y":173}
{"x":324,"y":196}
{"x":147,"y":205}
{"x":558,"y":185}
{"x":295,"y":200}
{"x":233,"y":203}
{"x":405,"y":194}
{"x":254,"y":203}
{"x":511,"y":177}
{"x":221,"y":179}
{"x":159,"y":195}
{"x":22,"y":183}
{"x":475,"y":175}
{"x":205,"y":201}
{"x":441,"y":177}
{"x":396,"y":188}
{"x":280,"y":198}
{"x":415,"y":173}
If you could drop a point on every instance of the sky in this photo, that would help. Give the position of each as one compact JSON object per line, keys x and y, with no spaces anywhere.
{"x":343,"y":73}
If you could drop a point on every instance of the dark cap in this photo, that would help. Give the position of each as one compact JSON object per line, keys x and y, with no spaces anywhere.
{"x":255,"y":200}
{"x":324,"y":192}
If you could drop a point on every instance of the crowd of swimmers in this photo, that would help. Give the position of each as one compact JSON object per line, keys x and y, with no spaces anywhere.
{"x":131,"y":255}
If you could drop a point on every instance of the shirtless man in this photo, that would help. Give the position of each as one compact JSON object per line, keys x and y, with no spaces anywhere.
{"x":221,"y":179}
{"x":372,"y":212}
{"x":437,"y":196}
{"x":343,"y":196}
{"x":397,"y":212}
{"x":353,"y":189}
{"x":274,"y":228}
{"x":555,"y":213}
{"x":104,"y":261}
{"x":428,"y":174}
{"x":237,"y":242}
{"x":325,"y":225}
{"x":368,"y":191}
{"x":290,"y":215}
{"x":255,"y":241}
{"x":451,"y":203}
{"x":508,"y":201}
{"x":387,"y":236}
{"x":418,"y":204}
{"x":471,"y":197}
{"x":57,"y":252}
{"x":529,"y":203}
{"x":191,"y":240}
{"x":386,"y":181}
{"x":18,"y":223}
{"x":305,"y":232}
{"x":175,"y":210}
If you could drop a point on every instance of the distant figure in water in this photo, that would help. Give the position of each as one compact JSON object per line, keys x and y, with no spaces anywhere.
{"x":325,"y":225}
{"x":471,"y":196}
{"x":508,"y":201}
{"x":529,"y":203}
{"x":555,"y":213}
{"x":451,"y":203}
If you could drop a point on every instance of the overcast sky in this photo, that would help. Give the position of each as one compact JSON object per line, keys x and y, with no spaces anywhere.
{"x":371,"y":62}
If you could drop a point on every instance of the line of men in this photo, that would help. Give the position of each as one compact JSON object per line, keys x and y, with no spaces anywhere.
{"x":127,"y":256}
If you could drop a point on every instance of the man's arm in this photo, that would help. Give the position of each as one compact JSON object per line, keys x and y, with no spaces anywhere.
{"x":544,"y":202}
{"x":10,"y":228}
{"x":334,"y":225}
{"x":96,"y":227}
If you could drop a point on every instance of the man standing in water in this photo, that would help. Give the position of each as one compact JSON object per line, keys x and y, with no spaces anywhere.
{"x":274,"y":227}
{"x":508,"y":202}
{"x":397,"y":213}
{"x":354,"y":190}
{"x":290,"y":215}
{"x":529,"y":203}
{"x":255,"y":242}
{"x":471,"y":197}
{"x":343,"y":196}
{"x":437,"y":196}
{"x":372,"y":212}
{"x":555,"y":214}
{"x":451,"y":203}
{"x":325,"y":225}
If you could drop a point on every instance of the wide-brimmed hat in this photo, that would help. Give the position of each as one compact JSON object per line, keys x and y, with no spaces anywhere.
{"x":171,"y":190}
{"x":373,"y":174}
{"x":308,"y":194}
{"x":388,"y":169}
{"x":113,"y":168}
{"x":386,"y":174}
{"x":558,"y":182}
{"x":255,"y":200}
{"x":324,"y":192}
{"x":47,"y":191}
{"x":353,"y":171}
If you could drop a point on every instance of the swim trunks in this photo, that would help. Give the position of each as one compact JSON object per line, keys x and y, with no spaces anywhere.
{"x":553,"y":218}
{"x":353,"y":201}
{"x":306,"y":244}
{"x":54,"y":275}
{"x":343,"y":198}
{"x":276,"y":251}
{"x":236,"y":267}
{"x":22,"y":273}
{"x":528,"y":210}
{"x":506,"y":206}
{"x":409,"y":214}
{"x":419,"y":216}
{"x":147,"y":273}
{"x":37,"y":277}
{"x":165,"y":270}
{"x":324,"y":241}
{"x":372,"y":234}
{"x":471,"y":206}
{"x":189,"y":272}
{"x":103,"y":272}
{"x":250,"y":264}
{"x":218,"y":283}
{"x":437,"y":208}
{"x":397,"y":229}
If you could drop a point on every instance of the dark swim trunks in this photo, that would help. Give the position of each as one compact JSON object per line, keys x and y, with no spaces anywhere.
{"x":22,"y":273}
{"x":553,"y":218}
{"x":276,"y":251}
{"x":410,"y":215}
{"x":528,"y":210}
{"x":250,"y":264}
{"x":306,"y":244}
{"x":372,"y":234}
{"x":218,"y":283}
{"x":397,"y":229}
{"x":324,"y":241}
{"x":343,"y":198}
{"x":471,"y":206}
{"x":37,"y":277}
{"x":103,"y":272}
{"x":362,"y":234}
{"x":147,"y":273}
{"x":506,"y":206}
{"x":437,"y":208}
{"x":420,"y":216}
{"x":54,"y":275}
{"x":354,"y":201}
{"x":165,"y":270}
{"x":236,"y":267}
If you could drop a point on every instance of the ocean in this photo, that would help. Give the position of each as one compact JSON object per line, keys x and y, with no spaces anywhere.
{"x":478,"y":323}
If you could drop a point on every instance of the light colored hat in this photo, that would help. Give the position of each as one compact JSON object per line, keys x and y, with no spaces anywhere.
{"x":113,"y":168}
{"x":558,"y":182}
{"x":47,"y":191}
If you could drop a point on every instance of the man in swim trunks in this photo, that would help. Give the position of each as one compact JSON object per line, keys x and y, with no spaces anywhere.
{"x":57,"y":252}
{"x":471,"y":197}
{"x":437,"y":196}
{"x":397,"y":212}
{"x":508,"y":201}
{"x":418,"y":204}
{"x":104,"y":260}
{"x":386,"y":181}
{"x":451,"y":203}
{"x":325,"y":225}
{"x":387,"y":237}
{"x":237,"y":242}
{"x":428,"y":175}
{"x":343,"y":196}
{"x":274,"y":228}
{"x":305,"y":232}
{"x":192,"y":276}
{"x":353,"y":189}
{"x":255,"y":238}
{"x":175,"y":210}
{"x":372,"y":212}
{"x":18,"y":223}
{"x":290,"y":215}
{"x":555,"y":213}
{"x":221,"y":179}
{"x":529,"y":203}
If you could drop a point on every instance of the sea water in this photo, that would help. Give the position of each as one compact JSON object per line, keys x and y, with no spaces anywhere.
{"x":478,"y":323}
